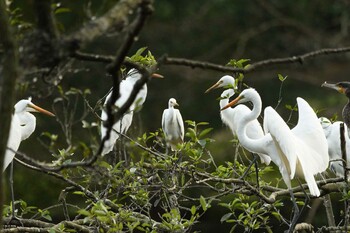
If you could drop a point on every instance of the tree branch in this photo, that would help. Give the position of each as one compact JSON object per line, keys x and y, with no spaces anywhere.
{"x":257,"y":65}
{"x":117,"y":17}
{"x":9,"y":74}
{"x":45,"y":18}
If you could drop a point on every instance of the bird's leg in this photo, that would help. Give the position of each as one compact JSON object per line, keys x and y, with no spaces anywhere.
{"x":12,"y":191}
{"x":250,"y":165}
{"x":14,"y":220}
{"x":307,"y":198}
{"x":296,"y":214}
{"x":257,"y":172}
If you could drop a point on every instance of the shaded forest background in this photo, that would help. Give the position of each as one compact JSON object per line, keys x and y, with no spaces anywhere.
{"x":210,"y":30}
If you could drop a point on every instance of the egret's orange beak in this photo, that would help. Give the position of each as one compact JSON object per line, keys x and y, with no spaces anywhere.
{"x":38,"y":109}
{"x":216,"y":85}
{"x":155,"y":75}
{"x":233,"y":102}
{"x":335,"y":87}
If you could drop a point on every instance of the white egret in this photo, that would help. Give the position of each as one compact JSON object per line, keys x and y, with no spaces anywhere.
{"x":121,"y":126}
{"x":332,"y":133}
{"x":173,"y":125}
{"x":301,"y":152}
{"x":22,"y":126}
{"x":231,"y":116}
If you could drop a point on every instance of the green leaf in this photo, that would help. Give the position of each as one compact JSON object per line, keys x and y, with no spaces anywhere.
{"x":225,"y":217}
{"x":203,"y":203}
{"x":193,"y":210}
{"x":205,"y":132}
{"x":281,"y":78}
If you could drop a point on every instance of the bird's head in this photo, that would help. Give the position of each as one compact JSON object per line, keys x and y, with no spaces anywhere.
{"x":325,"y":122}
{"x":172,"y":102}
{"x":226,"y":81}
{"x":341,"y":87}
{"x":245,"y":96}
{"x":26,"y":105}
{"x":134,"y":73}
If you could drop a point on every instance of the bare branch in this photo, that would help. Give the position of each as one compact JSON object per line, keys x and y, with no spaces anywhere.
{"x":257,"y":65}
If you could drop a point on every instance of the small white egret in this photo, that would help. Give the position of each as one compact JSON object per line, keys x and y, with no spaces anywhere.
{"x":22,"y":126}
{"x":121,"y":126}
{"x":231,"y":116}
{"x":301,"y":152}
{"x":173,"y":125}
{"x":332,"y":133}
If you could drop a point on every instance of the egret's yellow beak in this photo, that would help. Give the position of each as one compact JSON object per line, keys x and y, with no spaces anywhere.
{"x":38,"y":109}
{"x":216,"y":85}
{"x":155,"y":75}
{"x":233,"y":102}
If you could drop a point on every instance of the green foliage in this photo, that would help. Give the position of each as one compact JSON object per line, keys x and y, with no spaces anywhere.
{"x":26,"y":211}
{"x":238,"y":64}
{"x":147,"y":60}
{"x":249,"y":214}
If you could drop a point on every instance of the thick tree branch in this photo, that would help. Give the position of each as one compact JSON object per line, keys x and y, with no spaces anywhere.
{"x":9,"y":74}
{"x":114,"y":67}
{"x":117,"y":17}
{"x":45,"y":18}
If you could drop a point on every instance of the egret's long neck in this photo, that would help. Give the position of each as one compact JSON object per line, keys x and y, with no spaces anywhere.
{"x":253,"y":145}
{"x":171,"y":113}
{"x":28,"y":123}
{"x":225,"y":96}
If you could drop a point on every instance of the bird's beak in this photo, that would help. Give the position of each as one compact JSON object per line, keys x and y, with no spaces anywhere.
{"x":155,"y":75}
{"x":176,"y":104}
{"x":216,"y":85}
{"x":38,"y":109}
{"x":334,"y":86}
{"x":233,"y":102}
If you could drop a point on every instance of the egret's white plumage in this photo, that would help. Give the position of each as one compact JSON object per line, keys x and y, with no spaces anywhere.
{"x":22,"y":126}
{"x":173,"y":125}
{"x":231,"y":116}
{"x":332,"y":133}
{"x":121,"y":126}
{"x":301,"y":152}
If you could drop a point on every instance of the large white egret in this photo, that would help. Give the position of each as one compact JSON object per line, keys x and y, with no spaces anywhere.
{"x":332,"y":133}
{"x":231,"y":116}
{"x":121,"y":126}
{"x":301,"y":152}
{"x":173,"y":125}
{"x":22,"y":126}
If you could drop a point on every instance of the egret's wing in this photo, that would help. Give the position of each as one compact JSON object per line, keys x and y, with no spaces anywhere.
{"x":164,"y":127}
{"x":283,"y":138}
{"x":180,"y":124}
{"x":310,"y":132}
{"x":13,"y":141}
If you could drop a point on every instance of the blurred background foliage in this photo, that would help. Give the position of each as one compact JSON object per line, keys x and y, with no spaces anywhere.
{"x":207,"y":30}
